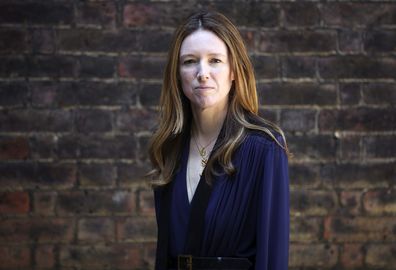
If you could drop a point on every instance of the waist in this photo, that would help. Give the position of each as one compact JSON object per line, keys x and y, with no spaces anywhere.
{"x":188,"y":262}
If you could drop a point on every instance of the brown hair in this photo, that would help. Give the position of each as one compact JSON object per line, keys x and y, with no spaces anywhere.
{"x":175,"y":112}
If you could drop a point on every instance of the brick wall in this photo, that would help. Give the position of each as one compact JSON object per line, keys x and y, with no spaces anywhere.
{"x":79,"y":83}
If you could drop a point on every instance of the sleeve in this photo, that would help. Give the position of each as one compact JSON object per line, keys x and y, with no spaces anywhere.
{"x":273,"y":212}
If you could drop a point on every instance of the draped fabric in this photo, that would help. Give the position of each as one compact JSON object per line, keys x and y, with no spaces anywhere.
{"x":248,"y":212}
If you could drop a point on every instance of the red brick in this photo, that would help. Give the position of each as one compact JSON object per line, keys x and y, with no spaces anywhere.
{"x":137,"y":229}
{"x":380,"y":202}
{"x":131,"y":120}
{"x":305,"y":229}
{"x":146,"y":202}
{"x":14,"y":148}
{"x":351,"y":202}
{"x":352,"y":256}
{"x":360,"y":229}
{"x":312,"y":202}
{"x":114,"y":256}
{"x":96,"y":230}
{"x":381,"y":255}
{"x":313,"y":255}
{"x":44,"y":203}
{"x":37,"y":230}
{"x":101,"y":203}
{"x":45,"y":256}
{"x":97,"y":174}
{"x":349,"y":148}
{"x":131,"y":174}
{"x":14,"y":202}
{"x":139,"y":14}
{"x":14,"y":257}
{"x":97,"y":14}
{"x":148,"y":67}
{"x":304,"y":175}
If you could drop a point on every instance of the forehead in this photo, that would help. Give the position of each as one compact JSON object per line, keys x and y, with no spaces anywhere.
{"x":203,"y":42}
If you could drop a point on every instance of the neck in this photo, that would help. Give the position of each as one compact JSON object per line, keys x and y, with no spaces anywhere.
{"x":207,"y":123}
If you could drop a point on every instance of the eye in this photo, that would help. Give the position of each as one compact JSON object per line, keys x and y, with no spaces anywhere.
{"x":188,"y":61}
{"x":215,"y":60}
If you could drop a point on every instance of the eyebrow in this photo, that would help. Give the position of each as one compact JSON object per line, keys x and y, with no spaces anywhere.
{"x":193,"y":55}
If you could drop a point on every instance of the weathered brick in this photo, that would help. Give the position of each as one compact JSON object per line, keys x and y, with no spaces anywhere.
{"x":14,"y":257}
{"x":298,"y":119}
{"x":379,"y":93}
{"x":255,"y":14}
{"x":14,"y":148}
{"x":143,"y":149}
{"x":138,"y":14}
{"x":54,"y":94}
{"x":350,"y":202}
{"x":97,"y":146}
{"x":358,"y":14}
{"x":297,"y":41}
{"x":12,"y":41}
{"x":305,"y":229}
{"x":102,"y":14}
{"x":17,"y":202}
{"x":44,"y":203}
{"x":360,"y":229}
{"x":135,"y":229}
{"x":349,"y":41}
{"x":147,"y":67}
{"x":36,"y":13}
{"x":312,"y":147}
{"x":358,"y":119}
{"x":37,"y":175}
{"x":52,"y":66}
{"x":98,"y":41}
{"x":304,"y":175}
{"x":357,"y":67}
{"x":349,"y":148}
{"x":352,"y":255}
{"x":35,"y":120}
{"x":96,"y":230}
{"x":380,"y":41}
{"x":13,"y":66}
{"x":265,"y":67}
{"x":13,"y":93}
{"x":37,"y":230}
{"x":150,"y":94}
{"x":93,"y":120}
{"x":155,"y":41}
{"x":130,"y":174}
{"x":380,"y":202}
{"x":96,"y":203}
{"x":301,"y":14}
{"x":313,"y":255}
{"x":117,"y":256}
{"x":97,"y":67}
{"x":312,"y":202}
{"x":45,"y":256}
{"x":297,"y":94}
{"x":42,"y":41}
{"x":43,"y":146}
{"x":381,"y":255}
{"x":146,"y":202}
{"x":269,"y":114}
{"x":131,"y":120}
{"x":379,"y":146}
{"x":97,"y":174}
{"x":350,"y":93}
{"x":298,"y":67}
{"x":350,"y":176}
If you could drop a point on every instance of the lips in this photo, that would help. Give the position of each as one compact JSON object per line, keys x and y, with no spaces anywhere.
{"x":203,"y":88}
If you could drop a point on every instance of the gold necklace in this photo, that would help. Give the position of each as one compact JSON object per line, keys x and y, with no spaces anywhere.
{"x":202,"y":151}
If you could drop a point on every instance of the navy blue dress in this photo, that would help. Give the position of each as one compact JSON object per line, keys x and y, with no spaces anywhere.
{"x":248,"y":212}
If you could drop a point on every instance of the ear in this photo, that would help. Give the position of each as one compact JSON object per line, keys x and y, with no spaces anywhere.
{"x":232,"y":76}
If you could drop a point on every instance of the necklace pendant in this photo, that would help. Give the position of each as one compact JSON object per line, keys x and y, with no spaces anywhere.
{"x":202,"y":152}
{"x":203,"y":162}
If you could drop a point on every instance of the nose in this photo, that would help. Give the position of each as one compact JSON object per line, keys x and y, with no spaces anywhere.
{"x":203,"y":72}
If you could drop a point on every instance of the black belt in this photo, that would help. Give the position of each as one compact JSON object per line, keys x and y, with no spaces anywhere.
{"x":188,"y":262}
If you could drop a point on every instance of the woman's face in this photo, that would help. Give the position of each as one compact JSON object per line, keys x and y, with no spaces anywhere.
{"x":205,"y":71}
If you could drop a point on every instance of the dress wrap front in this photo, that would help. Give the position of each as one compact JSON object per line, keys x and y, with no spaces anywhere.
{"x":248,"y":212}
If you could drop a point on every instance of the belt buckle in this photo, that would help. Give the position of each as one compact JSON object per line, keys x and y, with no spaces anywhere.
{"x":187,"y":258}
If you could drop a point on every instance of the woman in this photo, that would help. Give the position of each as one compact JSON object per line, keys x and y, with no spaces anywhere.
{"x":222,"y":199}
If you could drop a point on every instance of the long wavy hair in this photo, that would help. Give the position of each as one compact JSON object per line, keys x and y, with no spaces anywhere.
{"x":175,"y":118}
